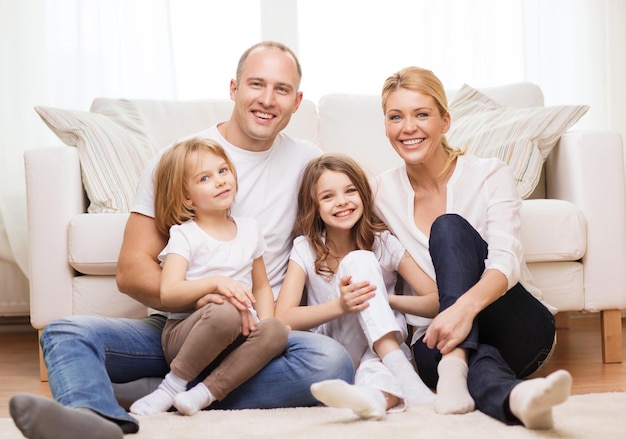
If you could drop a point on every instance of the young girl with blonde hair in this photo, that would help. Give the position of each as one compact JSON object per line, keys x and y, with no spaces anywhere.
{"x":209,"y":253}
{"x":341,"y":245}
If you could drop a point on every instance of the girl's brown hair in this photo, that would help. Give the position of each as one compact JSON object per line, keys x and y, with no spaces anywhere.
{"x":308,"y":220}
{"x":171,"y":205}
{"x":425,"y":82}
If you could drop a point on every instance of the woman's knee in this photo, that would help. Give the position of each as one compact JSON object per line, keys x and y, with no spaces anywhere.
{"x":448,"y":225}
{"x":451,"y":234}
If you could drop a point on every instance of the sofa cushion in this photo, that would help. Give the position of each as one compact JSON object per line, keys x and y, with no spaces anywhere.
{"x":94,"y":242}
{"x":112,"y":147}
{"x":552,"y":230}
{"x":522,"y":137}
{"x":98,"y":295}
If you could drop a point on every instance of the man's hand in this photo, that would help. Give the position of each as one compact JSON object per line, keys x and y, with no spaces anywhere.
{"x":355,"y":297}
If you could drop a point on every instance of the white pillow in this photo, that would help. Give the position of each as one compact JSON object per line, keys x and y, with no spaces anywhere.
{"x":112,"y":148}
{"x":521,"y":137}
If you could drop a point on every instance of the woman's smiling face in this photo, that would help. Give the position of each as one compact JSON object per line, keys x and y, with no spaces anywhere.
{"x":414,"y":125}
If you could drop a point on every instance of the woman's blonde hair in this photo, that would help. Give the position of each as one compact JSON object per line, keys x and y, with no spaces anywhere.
{"x":425,"y":82}
{"x":171,"y":205}
{"x":308,"y":220}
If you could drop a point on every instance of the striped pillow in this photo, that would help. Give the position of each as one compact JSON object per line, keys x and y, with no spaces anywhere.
{"x":521,"y":137}
{"x":112,"y":148}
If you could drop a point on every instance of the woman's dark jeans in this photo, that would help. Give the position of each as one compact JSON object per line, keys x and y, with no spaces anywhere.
{"x":510,"y":339}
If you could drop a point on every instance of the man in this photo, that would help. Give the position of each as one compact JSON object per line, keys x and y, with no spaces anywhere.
{"x":85,"y":353}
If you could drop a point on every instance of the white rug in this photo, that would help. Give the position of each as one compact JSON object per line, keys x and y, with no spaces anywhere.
{"x":597,"y":415}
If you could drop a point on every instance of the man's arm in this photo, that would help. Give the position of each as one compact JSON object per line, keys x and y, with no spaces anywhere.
{"x":138,"y":270}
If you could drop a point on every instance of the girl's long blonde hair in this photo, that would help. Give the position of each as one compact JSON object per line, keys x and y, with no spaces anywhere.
{"x":308,"y":220}
{"x":425,"y":82}
{"x":171,"y":205}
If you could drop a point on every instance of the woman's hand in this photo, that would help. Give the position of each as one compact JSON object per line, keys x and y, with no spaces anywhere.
{"x":354,"y":297}
{"x":449,"y":328}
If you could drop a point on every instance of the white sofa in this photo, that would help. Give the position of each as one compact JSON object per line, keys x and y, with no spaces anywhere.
{"x":14,"y":291}
{"x":573,"y":228}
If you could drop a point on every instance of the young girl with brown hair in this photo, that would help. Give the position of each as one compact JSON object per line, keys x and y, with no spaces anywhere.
{"x":339,"y":239}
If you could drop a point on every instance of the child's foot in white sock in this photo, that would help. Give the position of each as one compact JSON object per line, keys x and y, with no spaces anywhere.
{"x":193,"y":400}
{"x":531,"y":401}
{"x":453,"y":397}
{"x":162,"y":398}
{"x":366,"y":402}
{"x":412,"y":385}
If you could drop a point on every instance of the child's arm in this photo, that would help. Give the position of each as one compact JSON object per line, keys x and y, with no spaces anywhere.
{"x":426,"y":303}
{"x":262,"y":290}
{"x":177,"y":292}
{"x":288,"y":307}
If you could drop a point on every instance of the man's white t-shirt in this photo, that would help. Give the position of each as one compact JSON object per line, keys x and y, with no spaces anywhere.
{"x":267,"y":187}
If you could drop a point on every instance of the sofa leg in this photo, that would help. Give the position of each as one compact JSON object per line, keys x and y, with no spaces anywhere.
{"x":611,"y":320}
{"x":561,"y":320}
{"x":43,"y":370}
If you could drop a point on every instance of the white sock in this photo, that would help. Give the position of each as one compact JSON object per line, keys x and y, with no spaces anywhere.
{"x":366,"y":402}
{"x":412,"y":385}
{"x":531,"y":401}
{"x":193,"y":400}
{"x":162,"y":398}
{"x":452,"y":393}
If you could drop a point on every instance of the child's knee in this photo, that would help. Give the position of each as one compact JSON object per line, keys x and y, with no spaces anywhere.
{"x":274,"y":334}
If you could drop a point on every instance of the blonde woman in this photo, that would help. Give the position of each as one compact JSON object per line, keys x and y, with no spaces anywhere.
{"x":459,"y":217}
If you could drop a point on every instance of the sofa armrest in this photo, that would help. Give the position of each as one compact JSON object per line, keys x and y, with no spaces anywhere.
{"x":587,"y":168}
{"x":54,"y":194}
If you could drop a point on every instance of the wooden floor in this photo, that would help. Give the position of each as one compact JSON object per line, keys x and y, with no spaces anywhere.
{"x":578,"y":350}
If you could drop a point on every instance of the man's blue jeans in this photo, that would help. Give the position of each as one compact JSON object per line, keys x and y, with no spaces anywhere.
{"x":510,"y":339}
{"x":85,"y":354}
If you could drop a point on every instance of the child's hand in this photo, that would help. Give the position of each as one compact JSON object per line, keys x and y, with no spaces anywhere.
{"x":247,"y":321}
{"x":209,"y":298}
{"x":355,"y":297}
{"x":233,"y":290}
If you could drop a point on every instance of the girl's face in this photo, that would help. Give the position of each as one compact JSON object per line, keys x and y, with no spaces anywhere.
{"x":340,"y":204}
{"x":211,"y":185}
{"x":414,"y":126}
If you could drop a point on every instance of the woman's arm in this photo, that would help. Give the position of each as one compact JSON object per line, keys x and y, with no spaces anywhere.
{"x":500,"y":223}
{"x":452,"y":325}
{"x":426,"y":303}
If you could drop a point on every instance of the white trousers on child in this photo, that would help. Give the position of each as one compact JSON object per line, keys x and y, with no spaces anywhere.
{"x":358,"y":332}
